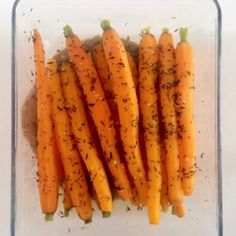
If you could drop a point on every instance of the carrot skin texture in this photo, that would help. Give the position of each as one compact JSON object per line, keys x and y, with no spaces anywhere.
{"x":99,"y":110}
{"x":84,"y":141}
{"x":166,"y":56}
{"x":148,"y":62}
{"x":47,"y":166}
{"x":74,"y":174}
{"x":184,"y":110}
{"x":125,"y":93}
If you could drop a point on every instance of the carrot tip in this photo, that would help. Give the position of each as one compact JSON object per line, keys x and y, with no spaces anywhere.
{"x":183,"y":33}
{"x":88,"y":221}
{"x":66,"y":212}
{"x":48,"y":217}
{"x":165,"y":30}
{"x":106,"y":214}
{"x":68,"y":32}
{"x":105,"y":24}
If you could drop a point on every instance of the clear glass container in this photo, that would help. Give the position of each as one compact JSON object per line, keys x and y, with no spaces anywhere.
{"x":203,"y":18}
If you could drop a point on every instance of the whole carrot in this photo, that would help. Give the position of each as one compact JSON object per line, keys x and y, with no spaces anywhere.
{"x":74,"y":173}
{"x":125,"y":93}
{"x":47,"y":160}
{"x":184,"y":111}
{"x":148,"y":61}
{"x":166,"y":56}
{"x":83,"y":138}
{"x":99,"y":109}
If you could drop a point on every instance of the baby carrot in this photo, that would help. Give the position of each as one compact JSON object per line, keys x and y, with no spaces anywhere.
{"x":148,"y":61}
{"x":184,"y":111}
{"x":74,"y":173}
{"x":166,"y":55}
{"x":47,"y":166}
{"x":125,"y":93}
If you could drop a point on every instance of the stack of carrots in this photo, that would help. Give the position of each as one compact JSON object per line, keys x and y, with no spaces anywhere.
{"x":90,"y":107}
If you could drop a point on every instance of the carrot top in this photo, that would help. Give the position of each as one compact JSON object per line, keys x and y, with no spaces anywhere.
{"x":105,"y":24}
{"x":183,"y":33}
{"x":146,"y":31}
{"x":68,"y":32}
{"x":165,"y":30}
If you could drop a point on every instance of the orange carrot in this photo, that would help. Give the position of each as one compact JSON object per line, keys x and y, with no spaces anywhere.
{"x":184,"y":111}
{"x":84,"y":141}
{"x":166,"y":56}
{"x":148,"y":61}
{"x":125,"y":93}
{"x":99,"y":109}
{"x":47,"y":167}
{"x":74,"y":174}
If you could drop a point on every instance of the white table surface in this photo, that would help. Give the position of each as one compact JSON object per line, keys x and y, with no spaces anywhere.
{"x":228,"y":115}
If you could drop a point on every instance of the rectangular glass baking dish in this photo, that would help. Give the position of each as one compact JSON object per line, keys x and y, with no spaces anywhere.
{"x":203,"y":18}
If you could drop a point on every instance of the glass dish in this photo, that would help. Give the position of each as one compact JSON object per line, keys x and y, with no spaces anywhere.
{"x":203,"y":18}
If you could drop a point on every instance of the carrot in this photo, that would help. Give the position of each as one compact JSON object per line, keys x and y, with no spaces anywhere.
{"x":125,"y":93}
{"x":99,"y":109}
{"x":102,"y":68}
{"x":67,"y":201}
{"x":47,"y":167}
{"x":133,"y":68}
{"x":148,"y":61}
{"x":166,"y":55}
{"x":84,"y":141}
{"x":74,"y":174}
{"x":184,"y":111}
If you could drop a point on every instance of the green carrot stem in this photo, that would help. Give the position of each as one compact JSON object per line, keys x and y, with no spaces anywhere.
{"x":146,"y":30}
{"x":48,"y":217}
{"x":165,"y":30}
{"x":183,"y":33}
{"x":106,"y":214}
{"x":105,"y":24}
{"x":68,"y":32}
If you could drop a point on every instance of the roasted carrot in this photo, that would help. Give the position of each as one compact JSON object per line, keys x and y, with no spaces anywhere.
{"x":133,"y":68}
{"x":83,"y":138}
{"x":166,"y":55}
{"x":184,"y":111}
{"x":67,"y":201}
{"x":74,"y":174}
{"x":99,"y":109}
{"x":148,"y":61}
{"x":126,"y":97}
{"x":47,"y":166}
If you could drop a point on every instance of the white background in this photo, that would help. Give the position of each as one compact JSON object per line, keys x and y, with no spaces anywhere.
{"x":228,"y":115}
